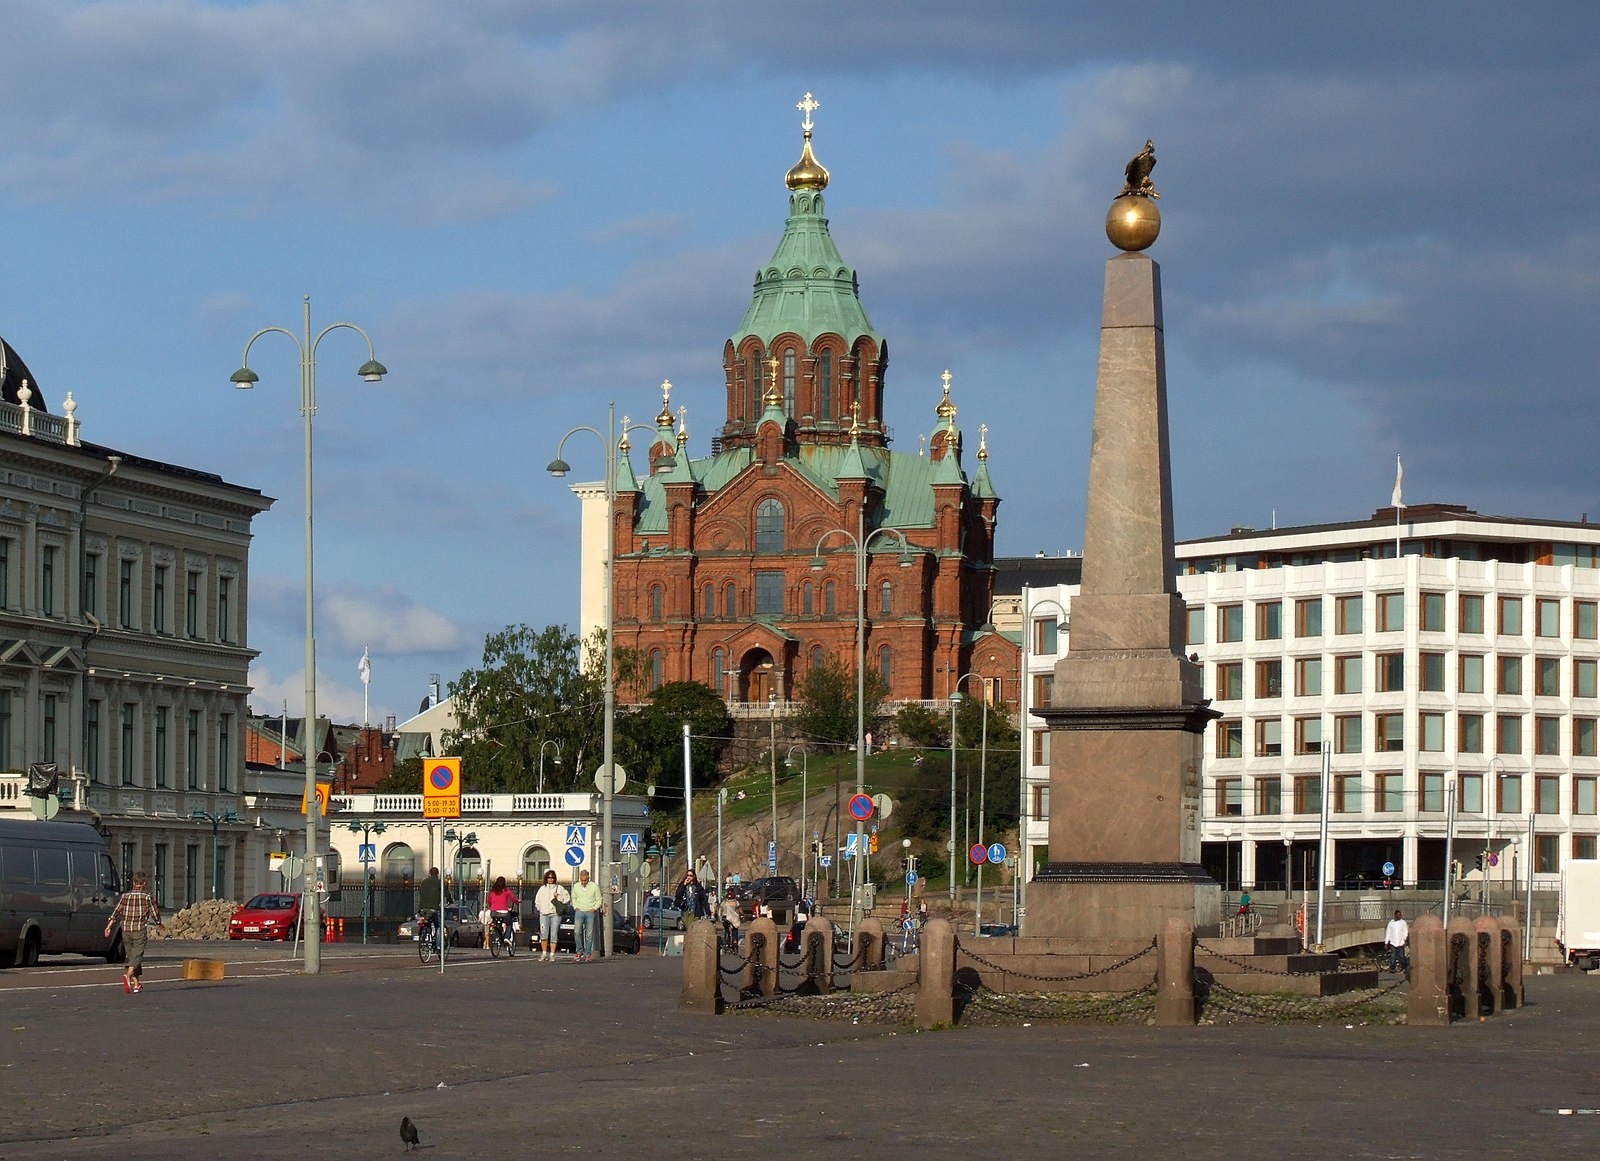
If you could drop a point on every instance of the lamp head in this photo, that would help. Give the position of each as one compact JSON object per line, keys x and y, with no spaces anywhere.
{"x":244,"y":378}
{"x":378,"y":828}
{"x":228,"y":816}
{"x":906,"y":560}
{"x":816,"y":564}
{"x":354,"y":827}
{"x":372,"y":371}
{"x":558,"y":467}
{"x":199,"y":816}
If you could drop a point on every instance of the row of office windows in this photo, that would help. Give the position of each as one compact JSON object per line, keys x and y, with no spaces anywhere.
{"x":1388,"y":792}
{"x":1512,"y":674}
{"x":1511,"y":734}
{"x":196,"y":883}
{"x":1477,"y":614}
{"x":164,"y":609}
{"x":166,"y":730}
{"x":721,"y":601}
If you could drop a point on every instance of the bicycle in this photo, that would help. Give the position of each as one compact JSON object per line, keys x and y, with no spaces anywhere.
{"x":501,"y":935}
{"x":430,"y":938}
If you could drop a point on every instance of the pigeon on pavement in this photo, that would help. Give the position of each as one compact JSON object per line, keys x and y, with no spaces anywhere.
{"x":408,"y":1134}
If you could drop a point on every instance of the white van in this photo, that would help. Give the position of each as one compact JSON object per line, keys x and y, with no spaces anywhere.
{"x":58,"y":888}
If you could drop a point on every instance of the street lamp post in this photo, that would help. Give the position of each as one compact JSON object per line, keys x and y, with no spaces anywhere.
{"x":244,"y":378}
{"x":559,"y":467}
{"x":366,"y":829}
{"x":805,"y":770}
{"x":542,"y":745}
{"x":772,"y":762}
{"x":216,"y":821}
{"x":983,"y":754}
{"x":955,"y":704}
{"x":862,"y":540}
{"x":461,"y":839}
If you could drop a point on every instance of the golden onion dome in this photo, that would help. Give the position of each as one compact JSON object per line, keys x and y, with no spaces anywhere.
{"x":808,"y":172}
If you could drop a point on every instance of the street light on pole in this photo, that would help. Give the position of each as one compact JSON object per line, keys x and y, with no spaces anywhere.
{"x":216,"y":821}
{"x":542,"y":745}
{"x":559,"y":467}
{"x":244,"y":378}
{"x":805,"y":771}
{"x":366,"y":830}
{"x":861,"y":539}
{"x":983,"y":748}
{"x":772,"y":762}
{"x":955,"y":704}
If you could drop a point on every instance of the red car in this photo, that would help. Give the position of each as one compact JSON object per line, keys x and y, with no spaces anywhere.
{"x":266,"y":917}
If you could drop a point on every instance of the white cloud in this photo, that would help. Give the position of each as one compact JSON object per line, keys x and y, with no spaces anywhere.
{"x":387,"y":621}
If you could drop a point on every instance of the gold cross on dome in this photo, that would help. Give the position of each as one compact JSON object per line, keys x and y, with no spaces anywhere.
{"x":946,"y":378}
{"x":855,"y":418}
{"x":807,"y":106}
{"x":666,"y":391}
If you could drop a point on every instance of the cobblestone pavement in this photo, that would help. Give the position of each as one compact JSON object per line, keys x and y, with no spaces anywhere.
{"x":506,"y":1058}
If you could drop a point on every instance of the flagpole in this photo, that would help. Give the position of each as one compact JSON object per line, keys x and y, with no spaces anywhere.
{"x":365,"y":669}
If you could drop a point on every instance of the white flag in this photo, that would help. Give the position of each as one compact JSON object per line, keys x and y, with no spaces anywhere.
{"x":365,"y":668}
{"x":1399,"y":475}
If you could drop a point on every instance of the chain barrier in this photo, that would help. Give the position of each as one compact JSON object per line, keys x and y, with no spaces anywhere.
{"x":1245,"y":965}
{"x":986,"y":1007}
{"x":1280,"y":1008}
{"x":1086,"y":975}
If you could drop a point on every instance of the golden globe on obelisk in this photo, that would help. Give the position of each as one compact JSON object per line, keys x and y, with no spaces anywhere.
{"x":1127,"y":715}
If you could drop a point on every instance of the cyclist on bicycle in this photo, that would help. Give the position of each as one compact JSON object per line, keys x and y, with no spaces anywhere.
{"x":503,"y":904}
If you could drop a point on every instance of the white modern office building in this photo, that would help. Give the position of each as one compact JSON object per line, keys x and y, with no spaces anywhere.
{"x":1458,"y":677}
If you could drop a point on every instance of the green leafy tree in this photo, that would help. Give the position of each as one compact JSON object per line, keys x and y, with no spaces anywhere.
{"x":922,"y":727}
{"x":530,"y":689}
{"x":650,"y":737}
{"x":405,"y":778}
{"x":1003,"y":746}
{"x":827,"y":697}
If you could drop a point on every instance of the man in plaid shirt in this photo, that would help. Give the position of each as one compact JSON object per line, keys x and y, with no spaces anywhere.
{"x":138,"y":913}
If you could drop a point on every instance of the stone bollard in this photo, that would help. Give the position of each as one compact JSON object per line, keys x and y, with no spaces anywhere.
{"x":936,"y":977}
{"x":764,"y":932}
{"x":816,"y":942}
{"x":702,"y":987}
{"x":1511,"y":962}
{"x":1462,"y":940}
{"x":1430,"y":964}
{"x":1489,"y":947}
{"x":869,"y":943}
{"x":1175,"y":972}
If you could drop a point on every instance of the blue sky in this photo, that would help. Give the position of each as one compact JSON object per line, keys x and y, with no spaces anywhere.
{"x":1378,"y":239}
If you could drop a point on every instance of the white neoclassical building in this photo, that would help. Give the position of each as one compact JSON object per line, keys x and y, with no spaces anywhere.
{"x":1459,"y":676}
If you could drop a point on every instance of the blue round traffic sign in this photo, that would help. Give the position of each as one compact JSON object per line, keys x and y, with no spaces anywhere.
{"x":979,"y":853}
{"x":860,"y":807}
{"x":574,"y":856}
{"x":997,"y":853}
{"x":911,"y":877}
{"x":1388,"y":869}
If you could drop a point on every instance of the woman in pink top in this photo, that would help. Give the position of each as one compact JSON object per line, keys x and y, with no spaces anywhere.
{"x":503,"y":903}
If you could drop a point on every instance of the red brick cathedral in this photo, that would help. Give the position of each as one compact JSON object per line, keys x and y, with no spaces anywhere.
{"x":741,"y":570}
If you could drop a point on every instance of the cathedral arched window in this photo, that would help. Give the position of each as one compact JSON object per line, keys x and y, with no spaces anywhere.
{"x":886,"y":599}
{"x":807,"y":604}
{"x":769,"y":526}
{"x":816,"y":657}
{"x":754,"y":371}
{"x":825,"y":385}
{"x":883,"y":665}
{"x":730,"y":601}
{"x":788,"y":381}
{"x":719,"y":671}
{"x":656,"y":669}
{"x":710,"y":609}
{"x":657,"y":598}
{"x":829,"y":599}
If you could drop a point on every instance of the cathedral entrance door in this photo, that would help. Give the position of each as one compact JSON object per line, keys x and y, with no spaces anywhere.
{"x":759,"y":676}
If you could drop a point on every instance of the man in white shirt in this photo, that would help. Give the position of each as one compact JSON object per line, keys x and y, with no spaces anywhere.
{"x":1395,"y":938}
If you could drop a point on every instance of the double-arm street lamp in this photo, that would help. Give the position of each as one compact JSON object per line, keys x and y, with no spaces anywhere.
{"x":542,"y":745}
{"x":558,"y":468}
{"x":805,"y":771}
{"x":862,"y":540}
{"x":462,"y":838}
{"x":244,"y":378}
{"x":216,"y":821}
{"x":983,"y":765}
{"x":367,"y":855}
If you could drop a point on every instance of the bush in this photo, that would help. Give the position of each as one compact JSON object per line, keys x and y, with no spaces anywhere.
{"x":922,"y":727}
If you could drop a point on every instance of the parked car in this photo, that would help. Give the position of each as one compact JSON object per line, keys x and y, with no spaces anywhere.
{"x":660,"y":912}
{"x":993,"y":929}
{"x":625,"y":935}
{"x":779,"y":892}
{"x":266,"y":917}
{"x":462,"y":929}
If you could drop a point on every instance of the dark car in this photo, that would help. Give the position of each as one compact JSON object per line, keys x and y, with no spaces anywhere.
{"x":624,"y":937}
{"x":780,"y":892}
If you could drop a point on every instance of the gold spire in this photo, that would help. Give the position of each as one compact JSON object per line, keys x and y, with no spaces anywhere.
{"x":855,"y":421}
{"x":983,"y":442}
{"x":665,"y":418}
{"x":683,"y":427}
{"x":622,"y":444}
{"x":808,"y":172}
{"x":774,"y":395}
{"x":946,"y":410}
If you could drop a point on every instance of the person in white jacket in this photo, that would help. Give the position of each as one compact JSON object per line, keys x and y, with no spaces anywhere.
{"x":1395,"y":938}
{"x":547,"y":903}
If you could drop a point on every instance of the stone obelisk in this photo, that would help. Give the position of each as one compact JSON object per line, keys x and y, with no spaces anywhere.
{"x":1127,"y":714}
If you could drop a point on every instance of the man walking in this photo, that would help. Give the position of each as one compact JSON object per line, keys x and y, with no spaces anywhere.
{"x":588,"y":906}
{"x":1395,"y":938}
{"x":138,"y":913}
